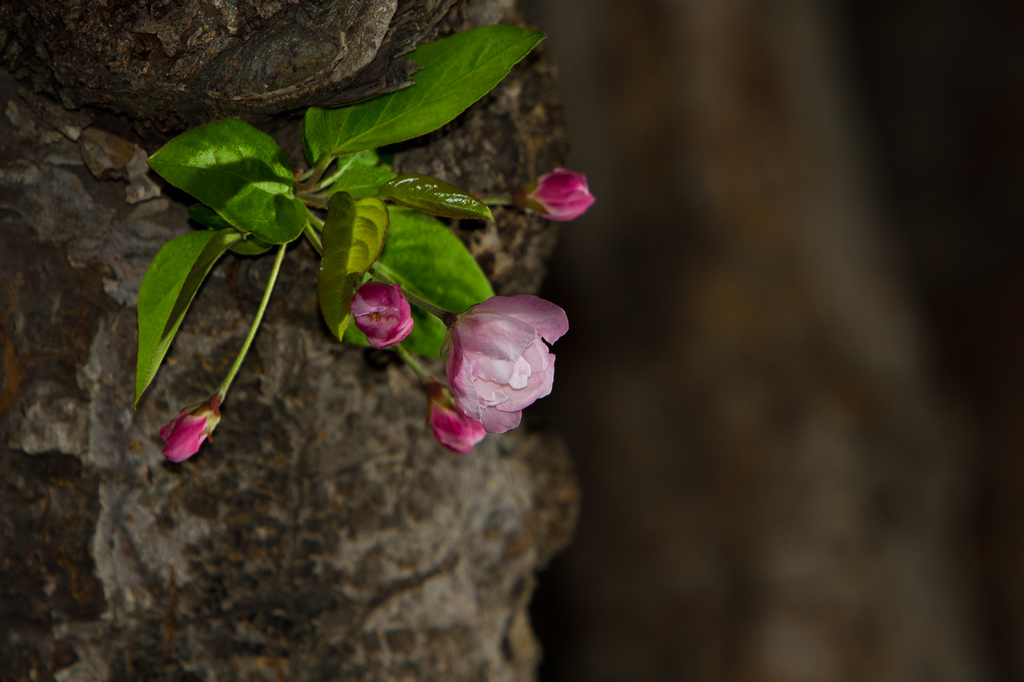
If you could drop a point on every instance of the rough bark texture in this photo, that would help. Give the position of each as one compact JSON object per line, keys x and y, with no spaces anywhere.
{"x":325,"y":535}
{"x":171,"y":64}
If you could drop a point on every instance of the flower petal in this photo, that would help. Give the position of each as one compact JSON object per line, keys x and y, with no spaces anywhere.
{"x":538,"y":386}
{"x":184,"y":438}
{"x":490,"y":393}
{"x":563,"y":194}
{"x":167,"y":429}
{"x":495,"y":421}
{"x":545,"y":317}
{"x":454,"y":430}
{"x":490,"y":369}
{"x":521,"y":372}
{"x":497,"y":336}
{"x":460,"y":378}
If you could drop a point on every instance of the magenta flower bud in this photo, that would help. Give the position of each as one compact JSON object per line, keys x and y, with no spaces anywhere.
{"x":560,"y":195}
{"x":186,"y":432}
{"x":452,"y":429}
{"x":382,"y":313}
{"x":498,"y":363}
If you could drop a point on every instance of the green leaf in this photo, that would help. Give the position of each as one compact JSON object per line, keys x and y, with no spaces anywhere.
{"x":352,"y":240}
{"x":456,"y":72}
{"x":360,"y":174}
{"x":240,"y":173}
{"x":426,"y":258}
{"x":433,"y":196}
{"x":204,"y":215}
{"x":361,"y":181}
{"x":167,"y":290}
{"x":367,"y":157}
{"x":249,"y":246}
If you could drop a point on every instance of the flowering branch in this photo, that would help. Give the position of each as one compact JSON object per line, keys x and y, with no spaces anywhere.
{"x":498,"y":361}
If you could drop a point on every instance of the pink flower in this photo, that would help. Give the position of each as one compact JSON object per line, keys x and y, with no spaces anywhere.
{"x":382,"y":313}
{"x":452,"y":429}
{"x":560,"y":195}
{"x":497,"y":362}
{"x":186,"y":432}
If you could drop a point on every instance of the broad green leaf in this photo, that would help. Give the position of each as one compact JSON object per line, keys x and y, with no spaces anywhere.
{"x":456,"y":72}
{"x":204,"y":215}
{"x":433,"y":196}
{"x":167,"y":290}
{"x":240,"y":173}
{"x":352,"y":239}
{"x":426,"y":258}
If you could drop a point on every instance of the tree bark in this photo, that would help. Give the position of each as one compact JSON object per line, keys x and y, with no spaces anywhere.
{"x":179,"y":64}
{"x":799,"y":483}
{"x":324,"y":535}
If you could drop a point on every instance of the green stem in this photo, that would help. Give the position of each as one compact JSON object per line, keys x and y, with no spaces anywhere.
{"x":310,"y":229}
{"x":312,"y":199}
{"x":223,"y":390}
{"x":313,"y":237}
{"x":319,"y":169}
{"x":322,"y":184}
{"x":315,"y":219}
{"x":411,"y":361}
{"x":380,"y":273}
{"x":498,"y":200}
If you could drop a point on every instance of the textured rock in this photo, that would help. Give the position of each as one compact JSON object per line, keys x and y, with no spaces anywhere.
{"x":183,"y":63}
{"x":324,"y":534}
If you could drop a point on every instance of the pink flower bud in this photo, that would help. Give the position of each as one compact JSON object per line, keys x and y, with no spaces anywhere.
{"x":452,"y":429}
{"x":560,"y":195}
{"x":186,"y":432}
{"x":498,"y":363}
{"x":382,"y":313}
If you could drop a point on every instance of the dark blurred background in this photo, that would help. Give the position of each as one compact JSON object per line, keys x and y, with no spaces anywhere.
{"x":792,"y":382}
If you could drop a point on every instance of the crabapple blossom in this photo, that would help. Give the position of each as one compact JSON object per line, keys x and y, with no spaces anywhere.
{"x":184,"y":434}
{"x":452,"y":429}
{"x":498,"y":363}
{"x":560,"y":195}
{"x":382,"y":313}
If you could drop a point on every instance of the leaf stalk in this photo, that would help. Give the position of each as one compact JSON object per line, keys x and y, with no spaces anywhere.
{"x":222,"y":391}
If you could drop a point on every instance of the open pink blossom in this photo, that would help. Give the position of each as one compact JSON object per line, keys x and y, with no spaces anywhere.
{"x":498,"y":363}
{"x":184,"y":434}
{"x":382,"y":313}
{"x":452,"y":429}
{"x":560,"y":195}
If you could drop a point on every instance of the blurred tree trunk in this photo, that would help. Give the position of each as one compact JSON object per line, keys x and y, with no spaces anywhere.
{"x":796,"y":486}
{"x":325,"y":535}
